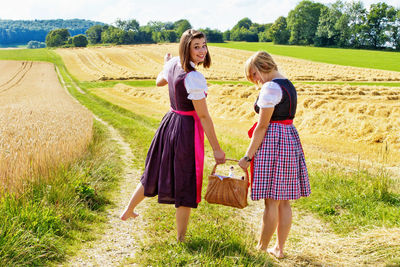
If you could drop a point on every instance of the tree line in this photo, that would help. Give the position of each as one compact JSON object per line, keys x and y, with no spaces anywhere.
{"x":340,"y":24}
{"x":23,"y":31}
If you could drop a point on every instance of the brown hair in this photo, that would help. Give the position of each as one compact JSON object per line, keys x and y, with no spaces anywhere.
{"x":184,"y":49}
{"x":262,"y":62}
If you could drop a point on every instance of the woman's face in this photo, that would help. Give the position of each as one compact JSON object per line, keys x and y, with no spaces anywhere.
{"x":256,"y":75}
{"x":198,"y":50}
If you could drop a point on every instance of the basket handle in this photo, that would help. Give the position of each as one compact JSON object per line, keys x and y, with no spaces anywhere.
{"x":235,"y":160}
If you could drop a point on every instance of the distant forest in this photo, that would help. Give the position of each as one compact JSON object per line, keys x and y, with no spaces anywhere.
{"x":23,"y":31}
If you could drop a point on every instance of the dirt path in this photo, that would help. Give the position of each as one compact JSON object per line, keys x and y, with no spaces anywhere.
{"x":118,"y":238}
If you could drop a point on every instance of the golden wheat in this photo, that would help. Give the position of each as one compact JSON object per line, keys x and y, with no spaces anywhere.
{"x":40,"y":124}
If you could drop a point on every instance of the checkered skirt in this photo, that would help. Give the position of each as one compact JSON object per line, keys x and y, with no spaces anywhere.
{"x":280,"y":170}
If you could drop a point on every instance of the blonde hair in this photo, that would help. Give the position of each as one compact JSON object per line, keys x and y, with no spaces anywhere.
{"x":184,"y":49}
{"x":262,"y":62}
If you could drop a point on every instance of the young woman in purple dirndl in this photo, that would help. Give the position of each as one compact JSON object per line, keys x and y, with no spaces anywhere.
{"x":174,"y":162}
{"x":279,"y":172}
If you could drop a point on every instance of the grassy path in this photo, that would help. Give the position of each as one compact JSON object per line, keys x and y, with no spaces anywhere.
{"x":117,"y":240}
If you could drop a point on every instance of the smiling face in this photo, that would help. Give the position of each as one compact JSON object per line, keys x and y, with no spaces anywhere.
{"x":198,"y":50}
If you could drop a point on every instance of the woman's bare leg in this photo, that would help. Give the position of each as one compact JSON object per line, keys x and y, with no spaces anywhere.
{"x":136,"y":198}
{"x":182,"y":220}
{"x":284,"y":225}
{"x":270,"y":221}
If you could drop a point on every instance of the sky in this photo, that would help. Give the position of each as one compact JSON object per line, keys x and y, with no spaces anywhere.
{"x":214,"y":14}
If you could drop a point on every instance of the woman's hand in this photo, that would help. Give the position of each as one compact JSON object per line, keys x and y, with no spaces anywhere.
{"x":219,"y":156}
{"x":167,"y":57}
{"x":244,"y":164}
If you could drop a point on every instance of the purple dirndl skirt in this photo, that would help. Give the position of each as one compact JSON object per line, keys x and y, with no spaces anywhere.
{"x":170,"y":170}
{"x":280,"y":170}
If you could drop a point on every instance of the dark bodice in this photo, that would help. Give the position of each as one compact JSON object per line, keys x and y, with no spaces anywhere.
{"x":177,"y":92}
{"x":286,"y":108}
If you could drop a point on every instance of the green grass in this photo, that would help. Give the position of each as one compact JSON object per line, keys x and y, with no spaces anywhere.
{"x":22,"y":45}
{"x":348,"y":57}
{"x":216,"y":236}
{"x":55,"y":214}
{"x":42,"y":54}
{"x":107,"y":84}
{"x":387,"y":84}
{"x":352,"y":201}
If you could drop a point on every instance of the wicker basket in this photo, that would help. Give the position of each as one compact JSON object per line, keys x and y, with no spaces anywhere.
{"x":228,"y":191}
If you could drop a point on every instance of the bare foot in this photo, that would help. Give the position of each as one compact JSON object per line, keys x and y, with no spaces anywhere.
{"x":276,"y":252}
{"x":260,"y":247}
{"x":128,"y":214}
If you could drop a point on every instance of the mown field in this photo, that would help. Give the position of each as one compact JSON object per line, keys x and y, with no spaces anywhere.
{"x":348,"y":122}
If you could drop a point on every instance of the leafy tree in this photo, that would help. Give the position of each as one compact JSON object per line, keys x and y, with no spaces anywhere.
{"x":226,"y":35}
{"x":213,"y":36}
{"x":303,"y":22}
{"x":57,"y":37}
{"x":377,"y":23}
{"x":395,"y":31}
{"x":168,"y":36}
{"x":344,"y":30}
{"x":181,"y":26}
{"x":279,"y":32}
{"x":36,"y":44}
{"x":112,"y":35}
{"x":243,"y":23}
{"x":356,"y":16}
{"x":328,"y":31}
{"x":80,"y":40}
{"x":127,"y":25}
{"x":94,"y":34}
{"x":244,"y":34}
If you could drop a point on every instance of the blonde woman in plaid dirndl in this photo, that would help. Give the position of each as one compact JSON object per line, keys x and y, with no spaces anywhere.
{"x":279,"y":172}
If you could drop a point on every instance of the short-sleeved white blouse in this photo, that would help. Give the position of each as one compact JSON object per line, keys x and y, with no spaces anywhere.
{"x":270,"y":95}
{"x":195,"y":83}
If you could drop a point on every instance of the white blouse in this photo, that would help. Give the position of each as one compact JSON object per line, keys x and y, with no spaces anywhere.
{"x":270,"y":95}
{"x":195,"y":83}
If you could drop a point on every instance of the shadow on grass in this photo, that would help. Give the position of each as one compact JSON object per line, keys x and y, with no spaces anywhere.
{"x":226,"y":252}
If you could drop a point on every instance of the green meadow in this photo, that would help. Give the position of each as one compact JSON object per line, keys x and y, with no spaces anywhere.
{"x":383,"y":60}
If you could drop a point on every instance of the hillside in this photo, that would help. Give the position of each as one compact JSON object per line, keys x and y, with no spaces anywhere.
{"x":23,"y":31}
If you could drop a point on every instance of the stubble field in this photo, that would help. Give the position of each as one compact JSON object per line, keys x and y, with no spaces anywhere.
{"x":351,"y":123}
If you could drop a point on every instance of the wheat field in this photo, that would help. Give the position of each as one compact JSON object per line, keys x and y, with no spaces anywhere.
{"x":41,"y":126}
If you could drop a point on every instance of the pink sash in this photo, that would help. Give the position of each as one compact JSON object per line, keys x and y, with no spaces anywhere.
{"x":198,"y":148}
